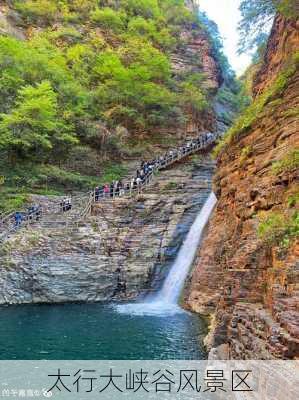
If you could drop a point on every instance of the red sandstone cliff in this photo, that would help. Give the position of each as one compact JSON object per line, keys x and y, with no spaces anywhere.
{"x":249,"y":287}
{"x":282,"y":43}
{"x":196,"y":56}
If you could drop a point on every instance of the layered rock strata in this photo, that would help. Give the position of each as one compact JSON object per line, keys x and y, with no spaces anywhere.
{"x":247,"y":284}
{"x":123,"y":251}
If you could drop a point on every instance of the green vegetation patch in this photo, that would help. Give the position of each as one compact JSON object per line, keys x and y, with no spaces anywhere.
{"x":289,"y":163}
{"x":171,"y":186}
{"x":289,"y":8}
{"x":25,"y":179}
{"x":112,"y":172}
{"x":88,"y":70}
{"x":278,"y":229}
{"x":255,"y":110}
{"x":245,"y":153}
{"x":292,"y":112}
{"x":293,"y":200}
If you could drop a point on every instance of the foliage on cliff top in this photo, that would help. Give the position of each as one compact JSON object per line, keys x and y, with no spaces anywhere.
{"x":289,"y":8}
{"x":93,"y":62}
{"x":255,"y":110}
{"x":89,"y":70}
{"x":257,"y":16}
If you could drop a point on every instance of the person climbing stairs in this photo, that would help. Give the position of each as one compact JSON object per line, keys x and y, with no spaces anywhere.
{"x":75,"y":209}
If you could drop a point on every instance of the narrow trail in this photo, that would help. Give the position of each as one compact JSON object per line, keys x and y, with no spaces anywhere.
{"x":82,"y":204}
{"x":123,"y":250}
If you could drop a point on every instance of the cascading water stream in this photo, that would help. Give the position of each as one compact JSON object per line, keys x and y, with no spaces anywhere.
{"x":166,"y":300}
{"x":174,"y":282}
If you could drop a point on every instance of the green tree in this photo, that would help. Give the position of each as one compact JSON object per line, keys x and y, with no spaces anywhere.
{"x":148,"y":28}
{"x":108,"y":18}
{"x":144,"y":8}
{"x":34,"y":123}
{"x":257,"y":16}
{"x":192,"y":97}
{"x":38,"y":10}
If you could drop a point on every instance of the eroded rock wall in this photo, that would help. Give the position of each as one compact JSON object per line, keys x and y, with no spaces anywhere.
{"x":282,"y":43}
{"x":10,"y":22}
{"x":196,"y":56}
{"x":249,"y":288}
{"x":124,"y":250}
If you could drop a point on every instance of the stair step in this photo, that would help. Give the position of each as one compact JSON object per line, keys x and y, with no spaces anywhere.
{"x":82,"y":203}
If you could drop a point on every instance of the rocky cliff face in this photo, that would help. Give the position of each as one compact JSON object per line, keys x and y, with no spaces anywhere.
{"x":127,"y":247}
{"x":282,"y":43}
{"x":248,"y":286}
{"x":196,"y":56}
{"x":10,"y":22}
{"x":124,"y":250}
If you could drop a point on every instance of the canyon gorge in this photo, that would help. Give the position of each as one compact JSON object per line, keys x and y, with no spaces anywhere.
{"x":244,"y":280}
{"x":249,"y":286}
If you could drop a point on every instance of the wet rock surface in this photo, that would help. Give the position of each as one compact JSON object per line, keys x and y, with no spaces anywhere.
{"x":124,"y":250}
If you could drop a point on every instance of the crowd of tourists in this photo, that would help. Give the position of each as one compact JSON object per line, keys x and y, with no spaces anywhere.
{"x":119,"y":188}
{"x":147,"y":168}
{"x":32,"y":214}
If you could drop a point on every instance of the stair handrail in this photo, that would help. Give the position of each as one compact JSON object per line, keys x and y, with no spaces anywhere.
{"x":166,"y":162}
{"x":6,"y":217}
{"x":86,"y":210}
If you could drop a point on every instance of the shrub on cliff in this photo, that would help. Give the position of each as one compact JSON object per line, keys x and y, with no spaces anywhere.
{"x":38,"y":11}
{"x":289,"y":163}
{"x":278,"y":229}
{"x":255,"y":110}
{"x":107,"y":18}
{"x":34,"y":125}
{"x":145,"y":8}
{"x":257,"y":16}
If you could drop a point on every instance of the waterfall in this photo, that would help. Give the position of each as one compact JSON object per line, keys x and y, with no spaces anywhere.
{"x":174,"y":282}
{"x":166,"y":300}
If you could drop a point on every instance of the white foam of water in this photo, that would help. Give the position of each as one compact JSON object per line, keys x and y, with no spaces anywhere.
{"x":174,"y":282}
{"x":157,"y":309}
{"x":166,"y":300}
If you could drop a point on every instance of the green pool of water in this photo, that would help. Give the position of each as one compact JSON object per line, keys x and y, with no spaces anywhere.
{"x":96,"y":331}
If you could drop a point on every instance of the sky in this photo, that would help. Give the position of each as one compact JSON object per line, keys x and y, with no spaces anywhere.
{"x":226,"y":15}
